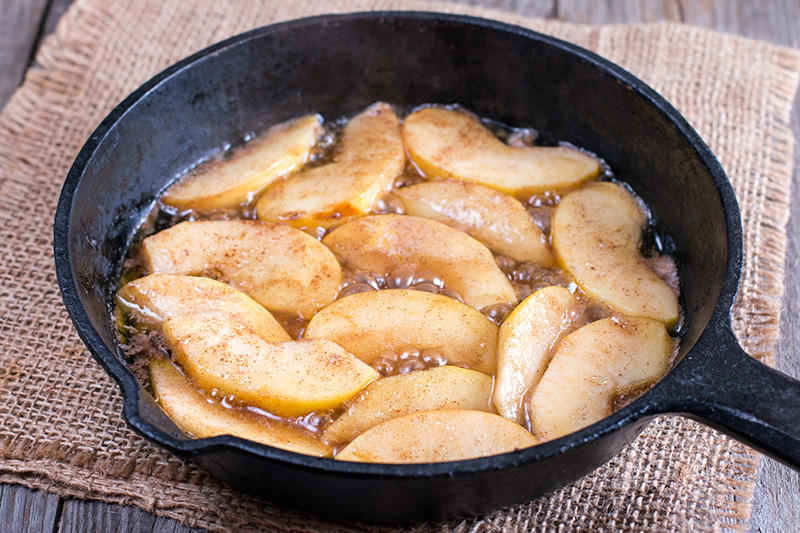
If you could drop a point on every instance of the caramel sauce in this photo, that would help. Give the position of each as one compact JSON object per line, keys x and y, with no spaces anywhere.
{"x":141,"y":345}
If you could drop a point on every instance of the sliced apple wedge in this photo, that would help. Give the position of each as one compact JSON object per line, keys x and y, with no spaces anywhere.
{"x":445,"y":387}
{"x":596,"y":234}
{"x":454,"y":145}
{"x":496,"y":219}
{"x":370,"y":156}
{"x":592,"y":364}
{"x":193,"y":413}
{"x":380,"y":243}
{"x":527,"y":338}
{"x":367,"y":323}
{"x":287,"y":378}
{"x":235,"y":181}
{"x":437,"y":436}
{"x":154,"y":298}
{"x":282,"y":268}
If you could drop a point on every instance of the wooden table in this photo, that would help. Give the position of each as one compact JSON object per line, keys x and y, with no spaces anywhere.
{"x":23,"y":24}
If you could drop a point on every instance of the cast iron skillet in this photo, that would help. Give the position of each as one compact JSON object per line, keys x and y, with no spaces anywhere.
{"x":337,"y":65}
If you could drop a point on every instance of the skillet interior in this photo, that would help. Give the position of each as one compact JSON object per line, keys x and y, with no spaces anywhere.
{"x":498,"y":71}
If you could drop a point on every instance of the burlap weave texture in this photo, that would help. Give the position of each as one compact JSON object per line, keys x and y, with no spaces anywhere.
{"x":60,"y":429}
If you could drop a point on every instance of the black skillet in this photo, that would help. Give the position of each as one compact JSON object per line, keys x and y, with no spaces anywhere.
{"x":337,"y":65}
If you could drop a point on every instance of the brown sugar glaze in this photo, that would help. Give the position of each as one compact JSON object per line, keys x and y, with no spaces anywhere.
{"x":140,"y":346}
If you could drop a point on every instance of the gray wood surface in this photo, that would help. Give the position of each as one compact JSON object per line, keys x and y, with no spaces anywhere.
{"x":20,"y":28}
{"x":776,"y":507}
{"x":55,"y":8}
{"x":81,"y":516}
{"x":26,"y":510}
{"x":617,"y":11}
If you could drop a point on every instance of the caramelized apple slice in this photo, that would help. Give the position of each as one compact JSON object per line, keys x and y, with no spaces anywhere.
{"x":451,"y":144}
{"x":282,"y":268}
{"x":287,"y":378}
{"x":235,"y":181}
{"x":368,"y":323}
{"x":437,"y":436}
{"x":369,"y":156}
{"x":527,"y":338}
{"x":381,"y":243}
{"x":446,"y":387}
{"x":494,"y":218}
{"x":593,"y":364}
{"x":154,"y":298}
{"x":596,"y":234}
{"x":193,"y":413}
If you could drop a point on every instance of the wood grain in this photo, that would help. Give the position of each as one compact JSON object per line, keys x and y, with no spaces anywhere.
{"x":23,"y":510}
{"x":777,"y":500}
{"x":776,"y":21}
{"x":166,"y":525}
{"x":20,"y":21}
{"x":80,"y":516}
{"x":55,"y":9}
{"x":617,"y":11}
{"x":531,"y":8}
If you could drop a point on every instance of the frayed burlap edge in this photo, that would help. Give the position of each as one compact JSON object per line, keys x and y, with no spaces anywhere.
{"x":85,"y":18}
{"x":766,"y":301}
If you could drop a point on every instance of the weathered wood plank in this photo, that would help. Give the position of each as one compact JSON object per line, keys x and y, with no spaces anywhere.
{"x":531,"y":8}
{"x":55,"y":9}
{"x":776,"y":21}
{"x":79,"y":516}
{"x":20,"y":21}
{"x":617,"y":11}
{"x":23,"y":510}
{"x":165,"y":525}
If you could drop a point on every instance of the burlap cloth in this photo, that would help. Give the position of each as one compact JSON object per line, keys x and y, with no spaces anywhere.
{"x":60,"y":425}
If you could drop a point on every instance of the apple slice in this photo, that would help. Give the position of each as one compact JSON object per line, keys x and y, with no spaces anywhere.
{"x":450,"y":144}
{"x":596,"y":234}
{"x":445,"y":387}
{"x":593,"y":364}
{"x":381,"y":243}
{"x":195,"y":414}
{"x":525,"y":345}
{"x":236,"y":180}
{"x":370,"y":156}
{"x":496,"y":219}
{"x":367,"y":323}
{"x":154,"y":298}
{"x":287,"y":378}
{"x":437,"y":436}
{"x":282,"y":268}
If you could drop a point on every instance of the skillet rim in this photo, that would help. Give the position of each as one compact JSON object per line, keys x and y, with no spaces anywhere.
{"x":638,"y":411}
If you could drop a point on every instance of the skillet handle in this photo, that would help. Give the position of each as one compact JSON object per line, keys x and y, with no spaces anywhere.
{"x":722,"y":386}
